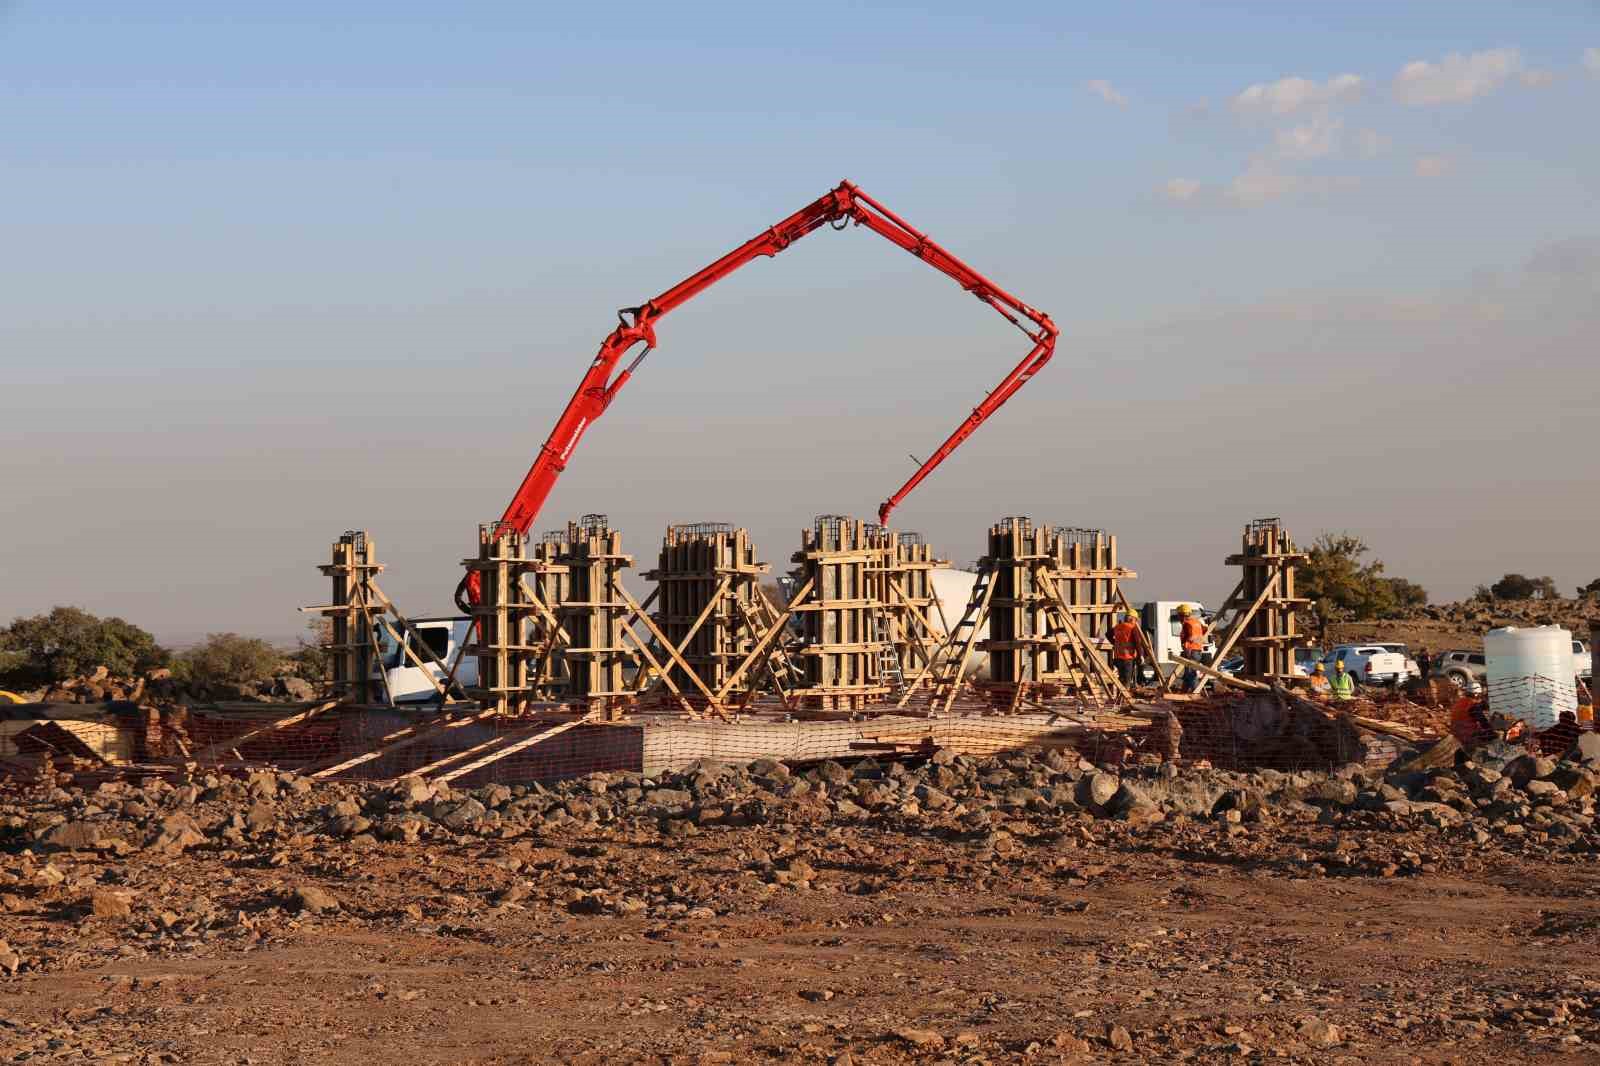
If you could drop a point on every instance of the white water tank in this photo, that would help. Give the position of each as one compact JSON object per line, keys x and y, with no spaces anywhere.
{"x":1530,"y":673}
{"x":953,"y":588}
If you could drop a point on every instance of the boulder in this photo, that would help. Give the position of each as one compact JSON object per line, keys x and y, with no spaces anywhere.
{"x":107,"y":903}
{"x":75,"y":836}
{"x":1097,"y":789}
{"x":313,"y":900}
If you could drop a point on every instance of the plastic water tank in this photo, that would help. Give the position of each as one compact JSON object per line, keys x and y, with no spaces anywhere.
{"x":953,"y":588}
{"x":1530,"y":673}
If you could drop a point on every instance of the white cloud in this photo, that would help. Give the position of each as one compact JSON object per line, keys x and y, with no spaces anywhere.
{"x":1456,"y":78}
{"x":1433,"y":166}
{"x":1591,"y":61}
{"x":1315,"y":139}
{"x":1288,"y":95}
{"x":1370,"y":143}
{"x":1261,"y":184}
{"x":1536,"y":79}
{"x":1104,"y":91}
{"x":1181,"y":189}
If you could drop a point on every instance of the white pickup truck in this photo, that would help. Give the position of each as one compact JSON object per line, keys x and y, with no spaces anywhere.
{"x":1369,"y":664}
{"x":1582,"y":661}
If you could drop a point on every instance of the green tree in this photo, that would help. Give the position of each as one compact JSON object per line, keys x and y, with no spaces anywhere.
{"x":1407,"y":593}
{"x":1343,"y":586}
{"x":1521,"y":587}
{"x":70,"y":641}
{"x":228,"y":659}
{"x":1592,"y":588}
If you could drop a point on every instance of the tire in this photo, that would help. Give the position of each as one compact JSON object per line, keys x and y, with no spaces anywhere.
{"x":1460,"y":678}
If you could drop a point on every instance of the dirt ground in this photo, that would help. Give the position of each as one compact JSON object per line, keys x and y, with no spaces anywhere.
{"x":1054,"y":939}
{"x":1416,"y":634}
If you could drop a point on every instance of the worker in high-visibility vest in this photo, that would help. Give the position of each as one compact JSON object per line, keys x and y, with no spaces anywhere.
{"x":1125,"y":648}
{"x":1319,"y":681}
{"x":1342,"y":685}
{"x":1192,"y":632}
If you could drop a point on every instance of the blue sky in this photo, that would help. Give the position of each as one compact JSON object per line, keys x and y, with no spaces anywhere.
{"x":265,"y":259}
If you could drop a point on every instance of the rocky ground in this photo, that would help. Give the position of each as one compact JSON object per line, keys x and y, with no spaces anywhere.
{"x":1025,"y":908}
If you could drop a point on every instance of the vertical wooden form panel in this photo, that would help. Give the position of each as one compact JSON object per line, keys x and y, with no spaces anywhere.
{"x":592,"y":609}
{"x":695,"y":561}
{"x":353,"y":561}
{"x":899,"y":580}
{"x":503,"y":619}
{"x":1268,"y":556}
{"x":838,"y":621}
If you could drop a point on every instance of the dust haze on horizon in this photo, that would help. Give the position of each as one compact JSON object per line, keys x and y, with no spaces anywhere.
{"x":274,"y":277}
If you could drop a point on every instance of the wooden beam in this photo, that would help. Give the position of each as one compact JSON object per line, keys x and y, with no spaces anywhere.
{"x":1226,"y":679}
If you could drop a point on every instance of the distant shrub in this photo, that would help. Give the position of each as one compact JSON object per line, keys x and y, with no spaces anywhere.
{"x":227,"y":659}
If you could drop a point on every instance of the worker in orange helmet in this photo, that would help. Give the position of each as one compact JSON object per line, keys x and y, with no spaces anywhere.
{"x":1319,"y":682}
{"x":1192,"y":633}
{"x":1125,"y":648}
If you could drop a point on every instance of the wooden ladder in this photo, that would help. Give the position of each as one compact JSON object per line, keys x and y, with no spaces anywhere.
{"x":947,"y":668}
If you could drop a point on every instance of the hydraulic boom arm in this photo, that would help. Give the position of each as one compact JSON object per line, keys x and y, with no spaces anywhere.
{"x":637,"y":326}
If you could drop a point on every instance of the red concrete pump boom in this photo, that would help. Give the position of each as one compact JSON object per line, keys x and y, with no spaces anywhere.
{"x":637,"y":326}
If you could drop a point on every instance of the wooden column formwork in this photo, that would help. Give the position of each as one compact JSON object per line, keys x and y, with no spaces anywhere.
{"x":591,"y":609}
{"x":708,"y":602}
{"x":510,"y":628}
{"x":351,"y":651}
{"x":1261,"y":609}
{"x":839,"y":652}
{"x":550,"y":617}
{"x":1037,"y":644}
{"x":911,"y":621}
{"x":1268,"y":557}
{"x":1056,"y":593}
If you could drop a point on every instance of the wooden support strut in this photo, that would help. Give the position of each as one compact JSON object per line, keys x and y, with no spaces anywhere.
{"x":666,"y":645}
{"x":1240,"y":624}
{"x":1107,"y":675}
{"x":761,"y":645}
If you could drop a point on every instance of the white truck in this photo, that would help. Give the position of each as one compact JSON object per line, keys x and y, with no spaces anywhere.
{"x":1164,"y":627}
{"x":436,"y":642}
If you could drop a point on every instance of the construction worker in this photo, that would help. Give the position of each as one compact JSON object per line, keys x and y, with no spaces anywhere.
{"x":1192,"y":633}
{"x":1319,"y":681}
{"x":1125,"y":648}
{"x":1342,"y":685}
